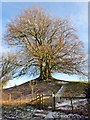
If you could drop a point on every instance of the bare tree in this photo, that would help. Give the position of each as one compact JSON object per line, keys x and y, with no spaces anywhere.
{"x":48,"y":44}
{"x":7,"y":69}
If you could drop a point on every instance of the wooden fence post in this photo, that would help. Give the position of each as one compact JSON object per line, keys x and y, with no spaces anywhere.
{"x":20,"y":99}
{"x":41,"y":101}
{"x":71,"y":104}
{"x":10,"y":98}
{"x":53,"y":101}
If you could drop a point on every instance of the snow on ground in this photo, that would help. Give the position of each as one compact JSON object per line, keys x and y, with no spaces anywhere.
{"x":62,"y":116}
{"x":68,"y":103}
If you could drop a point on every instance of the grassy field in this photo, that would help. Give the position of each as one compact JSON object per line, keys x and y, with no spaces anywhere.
{"x":25,"y":93}
{"x":75,"y":89}
{"x":30,"y":89}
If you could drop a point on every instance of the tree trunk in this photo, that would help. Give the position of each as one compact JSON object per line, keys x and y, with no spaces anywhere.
{"x":45,"y":72}
{"x":48,"y":74}
{"x":41,"y":72}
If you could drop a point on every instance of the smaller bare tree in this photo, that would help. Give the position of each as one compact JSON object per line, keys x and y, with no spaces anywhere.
{"x":7,"y":69}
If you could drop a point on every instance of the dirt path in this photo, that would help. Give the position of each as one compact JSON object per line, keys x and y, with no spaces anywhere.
{"x":60,"y":92}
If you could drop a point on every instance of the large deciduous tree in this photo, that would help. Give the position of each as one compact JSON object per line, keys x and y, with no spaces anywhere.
{"x":49,"y":44}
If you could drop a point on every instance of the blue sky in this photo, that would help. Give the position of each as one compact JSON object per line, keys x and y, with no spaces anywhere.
{"x":77,"y":11}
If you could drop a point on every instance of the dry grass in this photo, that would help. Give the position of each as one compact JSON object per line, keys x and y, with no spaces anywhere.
{"x":75,"y":90}
{"x":23,"y":94}
{"x":34,"y":101}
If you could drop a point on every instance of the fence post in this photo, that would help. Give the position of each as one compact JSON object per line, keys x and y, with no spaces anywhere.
{"x":10,"y":97}
{"x":71,"y":104}
{"x":39,"y":100}
{"x":53,"y":101}
{"x":32,"y":89}
{"x":36,"y":96}
{"x":42,"y":101}
{"x":20,"y":99}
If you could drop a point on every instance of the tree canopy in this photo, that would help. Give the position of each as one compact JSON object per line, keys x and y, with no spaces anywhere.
{"x":46,"y":44}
